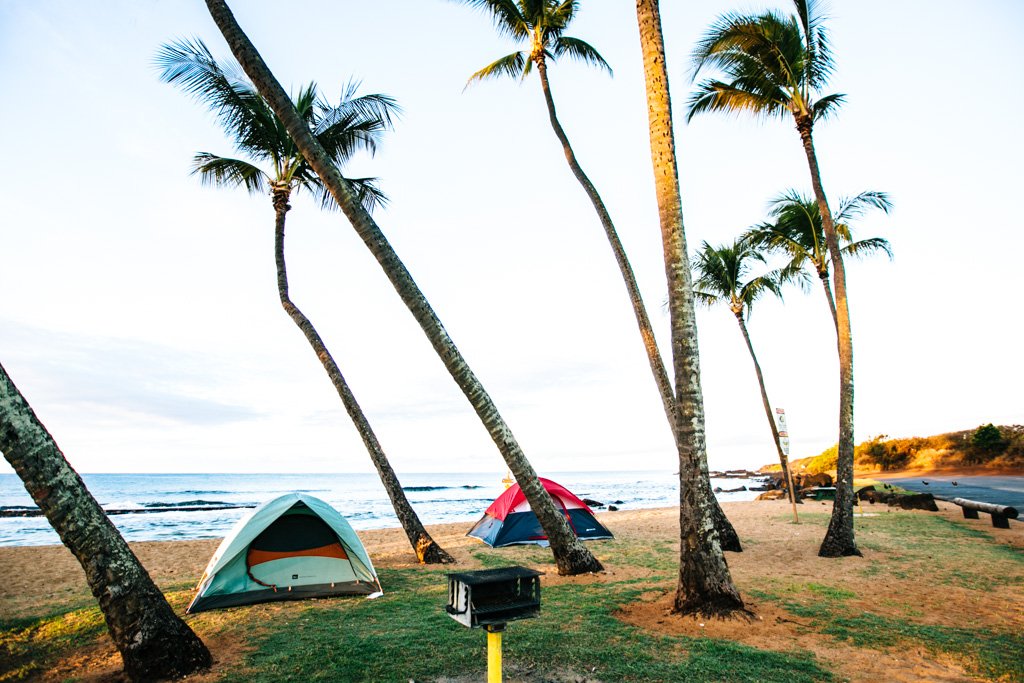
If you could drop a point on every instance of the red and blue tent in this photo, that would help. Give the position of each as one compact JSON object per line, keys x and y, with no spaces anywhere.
{"x":510,"y":520}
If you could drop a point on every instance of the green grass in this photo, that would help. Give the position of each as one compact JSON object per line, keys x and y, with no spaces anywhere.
{"x":29,"y":646}
{"x":406,"y":635}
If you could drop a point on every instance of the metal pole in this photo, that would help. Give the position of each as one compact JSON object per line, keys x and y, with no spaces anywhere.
{"x":494,"y":653}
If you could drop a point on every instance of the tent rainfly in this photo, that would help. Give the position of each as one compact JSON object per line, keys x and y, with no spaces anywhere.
{"x":510,"y":521}
{"x":293,"y":547}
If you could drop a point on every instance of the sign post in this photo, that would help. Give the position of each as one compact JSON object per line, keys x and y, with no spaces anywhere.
{"x":783,"y":431}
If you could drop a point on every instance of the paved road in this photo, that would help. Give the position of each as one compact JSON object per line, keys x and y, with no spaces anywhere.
{"x":1003,"y":490}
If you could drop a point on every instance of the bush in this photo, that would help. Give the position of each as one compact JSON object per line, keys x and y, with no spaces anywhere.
{"x":986,"y":443}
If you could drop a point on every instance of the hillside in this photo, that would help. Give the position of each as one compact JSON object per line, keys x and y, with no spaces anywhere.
{"x":987,"y":447}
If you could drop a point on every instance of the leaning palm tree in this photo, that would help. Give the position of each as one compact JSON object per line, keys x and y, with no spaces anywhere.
{"x":796,"y":231}
{"x":775,"y":65}
{"x":355,"y":124}
{"x":542,"y":24}
{"x":571,"y":556}
{"x":155,"y":644}
{"x":723,"y":276}
{"x":705,"y":585}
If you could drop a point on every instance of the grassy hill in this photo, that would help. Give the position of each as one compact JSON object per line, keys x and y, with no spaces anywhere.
{"x":987,"y":447}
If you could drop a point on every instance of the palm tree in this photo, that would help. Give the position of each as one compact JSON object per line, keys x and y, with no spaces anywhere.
{"x":705,"y":585}
{"x":797,"y":232}
{"x":723,"y":276}
{"x":154,"y":643}
{"x":355,"y":124}
{"x":542,"y":23}
{"x":775,"y":66}
{"x":571,"y":556}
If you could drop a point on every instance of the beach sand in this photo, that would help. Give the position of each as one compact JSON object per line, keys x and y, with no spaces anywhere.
{"x":37,"y":580}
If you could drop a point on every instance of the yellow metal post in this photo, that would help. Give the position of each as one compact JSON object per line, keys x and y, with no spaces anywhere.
{"x":493,"y":656}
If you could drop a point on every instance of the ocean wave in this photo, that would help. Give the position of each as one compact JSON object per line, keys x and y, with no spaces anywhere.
{"x":440,"y":488}
{"x":192,"y":503}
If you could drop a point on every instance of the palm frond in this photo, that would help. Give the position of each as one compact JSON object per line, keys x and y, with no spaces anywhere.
{"x":869,"y":246}
{"x":716,"y":96}
{"x":366,"y":190}
{"x":826,"y":107}
{"x":233,"y":99}
{"x":819,"y":64}
{"x":374,"y":107}
{"x":515,"y":64}
{"x":854,"y":207}
{"x":579,"y":50}
{"x":705,"y":298}
{"x":216,"y":170}
{"x":506,"y":15}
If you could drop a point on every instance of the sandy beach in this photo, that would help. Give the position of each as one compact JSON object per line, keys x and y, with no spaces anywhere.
{"x":38,"y":580}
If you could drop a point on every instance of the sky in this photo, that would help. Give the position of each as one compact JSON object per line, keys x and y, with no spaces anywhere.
{"x":139,"y":313}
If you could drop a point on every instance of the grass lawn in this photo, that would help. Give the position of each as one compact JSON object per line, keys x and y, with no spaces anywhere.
{"x":909,"y":595}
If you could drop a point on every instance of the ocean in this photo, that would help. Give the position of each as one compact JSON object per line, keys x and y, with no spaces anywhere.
{"x":437,"y":498}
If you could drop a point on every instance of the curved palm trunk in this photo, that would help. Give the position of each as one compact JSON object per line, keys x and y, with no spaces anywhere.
{"x":427,"y":550}
{"x":828,"y":295}
{"x":705,"y":585}
{"x":154,"y":643}
{"x":571,"y":556}
{"x":727,"y":534}
{"x":839,"y":539}
{"x":783,"y":460}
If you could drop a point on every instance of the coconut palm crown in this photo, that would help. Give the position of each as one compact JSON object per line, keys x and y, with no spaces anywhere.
{"x":773,"y":65}
{"x":540,"y":22}
{"x":796,"y":230}
{"x":723,"y":275}
{"x":355,"y":124}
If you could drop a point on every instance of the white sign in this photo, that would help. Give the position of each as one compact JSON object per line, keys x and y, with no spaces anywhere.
{"x":780,"y":421}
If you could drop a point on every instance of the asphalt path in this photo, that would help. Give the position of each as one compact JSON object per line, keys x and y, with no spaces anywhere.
{"x":999,"y":489}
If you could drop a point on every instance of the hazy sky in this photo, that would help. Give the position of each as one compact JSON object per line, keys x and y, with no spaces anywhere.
{"x":139,"y":312}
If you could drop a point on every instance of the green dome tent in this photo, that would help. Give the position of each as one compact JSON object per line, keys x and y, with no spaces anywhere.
{"x":293,"y":547}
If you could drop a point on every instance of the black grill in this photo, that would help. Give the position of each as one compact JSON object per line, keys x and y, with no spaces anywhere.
{"x":493,"y":596}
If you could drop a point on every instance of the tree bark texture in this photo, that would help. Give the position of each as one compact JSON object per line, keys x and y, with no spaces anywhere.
{"x":154,"y":643}
{"x":427,"y":550}
{"x":730,"y":540}
{"x":571,"y":556}
{"x":705,"y":584}
{"x":839,"y":538}
{"x":783,"y":460}
{"x":823,"y":275}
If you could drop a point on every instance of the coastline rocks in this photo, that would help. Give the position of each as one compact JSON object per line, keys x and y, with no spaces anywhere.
{"x":719,"y":489}
{"x":590,"y":502}
{"x":773,"y":494}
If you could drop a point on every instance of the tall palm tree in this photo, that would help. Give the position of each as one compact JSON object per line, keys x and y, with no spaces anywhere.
{"x":797,"y":232}
{"x":705,"y":585}
{"x":542,"y":24}
{"x":571,"y":556}
{"x":155,"y":644}
{"x":723,"y":276}
{"x":355,"y":124}
{"x":775,"y":65}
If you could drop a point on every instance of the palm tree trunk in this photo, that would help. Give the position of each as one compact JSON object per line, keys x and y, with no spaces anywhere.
{"x":427,"y":550}
{"x":705,"y":585}
{"x":839,"y":539}
{"x":730,"y":540}
{"x":783,"y":460}
{"x":154,"y":643}
{"x":571,"y":556}
{"x":828,"y":295}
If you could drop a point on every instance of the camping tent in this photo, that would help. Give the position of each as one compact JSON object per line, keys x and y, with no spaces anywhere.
{"x":509,"y":520}
{"x":292,"y":547}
